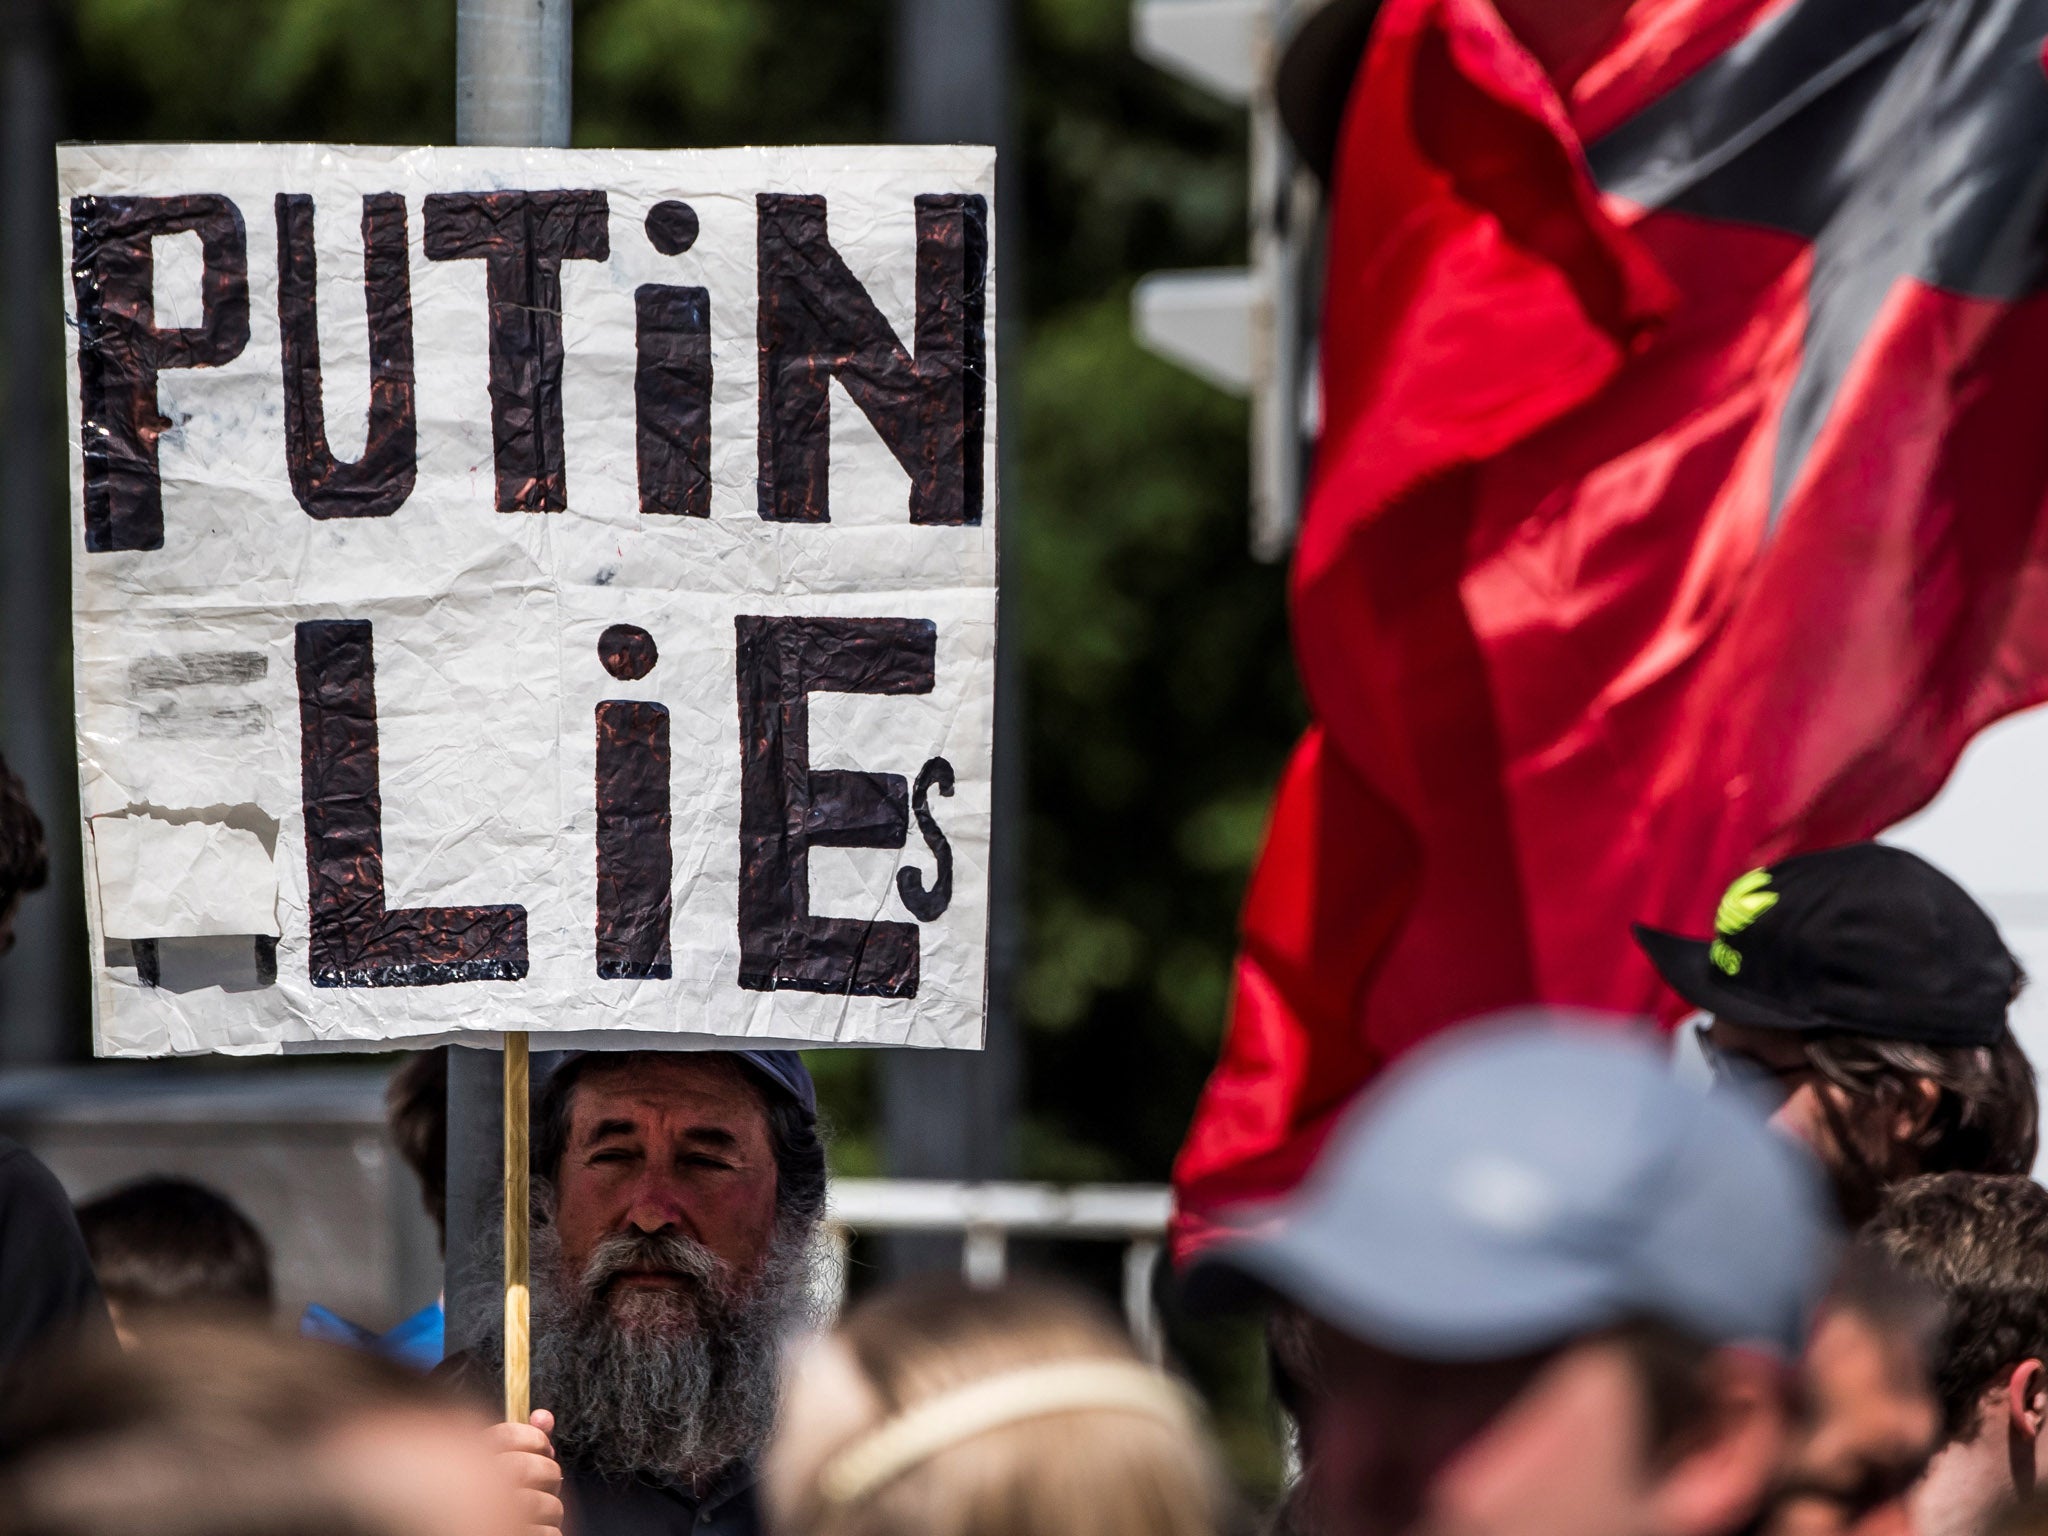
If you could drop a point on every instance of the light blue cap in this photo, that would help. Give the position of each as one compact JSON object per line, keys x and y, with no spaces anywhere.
{"x":1532,"y":1178}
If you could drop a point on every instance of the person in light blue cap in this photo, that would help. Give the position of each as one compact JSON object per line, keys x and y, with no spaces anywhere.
{"x":1551,"y":1290}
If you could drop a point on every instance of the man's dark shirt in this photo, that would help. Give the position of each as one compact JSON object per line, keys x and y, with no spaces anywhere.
{"x":640,"y":1506}
{"x":599,"y":1507}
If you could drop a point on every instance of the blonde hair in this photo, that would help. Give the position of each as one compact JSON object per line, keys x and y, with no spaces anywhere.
{"x":1109,"y":1449}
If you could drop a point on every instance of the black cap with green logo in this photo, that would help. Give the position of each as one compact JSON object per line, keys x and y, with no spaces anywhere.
{"x":1867,"y":939}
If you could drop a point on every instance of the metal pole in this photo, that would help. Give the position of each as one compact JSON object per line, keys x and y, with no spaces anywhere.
{"x":511,"y":87}
{"x":1283,"y":216}
{"x":42,"y":994}
{"x":951,"y":1114}
{"x":512,"y":72}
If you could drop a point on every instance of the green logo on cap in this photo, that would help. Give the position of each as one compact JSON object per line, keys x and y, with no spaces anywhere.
{"x":1748,"y":899}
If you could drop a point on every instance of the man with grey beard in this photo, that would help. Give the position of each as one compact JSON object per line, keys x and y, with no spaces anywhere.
{"x":676,"y":1195}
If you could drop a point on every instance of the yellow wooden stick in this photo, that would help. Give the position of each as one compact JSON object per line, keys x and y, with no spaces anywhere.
{"x":518,"y":1358}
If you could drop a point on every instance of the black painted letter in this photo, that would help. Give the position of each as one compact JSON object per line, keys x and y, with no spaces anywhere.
{"x":672,"y":398}
{"x":817,"y":323}
{"x":523,"y":238}
{"x":635,"y":861}
{"x":786,"y":809}
{"x":378,"y":483}
{"x":121,"y":350}
{"x":635,"y":858}
{"x":354,"y":941}
{"x":929,"y":905}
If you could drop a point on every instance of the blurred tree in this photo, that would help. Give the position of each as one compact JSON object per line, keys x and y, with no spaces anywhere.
{"x":1161,"y":694}
{"x":336,"y":71}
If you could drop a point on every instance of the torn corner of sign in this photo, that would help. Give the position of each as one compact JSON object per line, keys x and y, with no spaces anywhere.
{"x":195,"y":876}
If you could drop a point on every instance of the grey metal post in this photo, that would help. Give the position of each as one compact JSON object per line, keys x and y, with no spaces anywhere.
{"x":42,"y":984}
{"x":512,"y":72}
{"x":950,"y":1114}
{"x":511,"y":87}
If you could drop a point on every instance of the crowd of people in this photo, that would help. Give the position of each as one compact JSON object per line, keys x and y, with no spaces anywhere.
{"x":1541,"y":1282}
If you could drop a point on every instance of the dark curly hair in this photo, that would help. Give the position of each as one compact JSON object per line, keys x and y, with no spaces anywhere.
{"x":1981,"y":1240}
{"x":24,"y":855}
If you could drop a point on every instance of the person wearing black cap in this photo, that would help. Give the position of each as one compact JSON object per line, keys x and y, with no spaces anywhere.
{"x":676,"y":1197}
{"x":1863,"y":995}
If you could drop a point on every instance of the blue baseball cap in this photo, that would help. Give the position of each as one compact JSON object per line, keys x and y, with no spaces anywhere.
{"x":786,"y":1070}
{"x":782,"y":1071}
{"x":1530,"y":1179}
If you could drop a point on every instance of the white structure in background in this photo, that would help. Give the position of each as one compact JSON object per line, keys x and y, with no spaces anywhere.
{"x":987,"y":1216}
{"x":1241,"y":328}
{"x":304,"y":1153}
{"x":1988,"y":828}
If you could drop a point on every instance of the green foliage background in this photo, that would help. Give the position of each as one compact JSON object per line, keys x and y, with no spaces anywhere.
{"x":1160,"y":694}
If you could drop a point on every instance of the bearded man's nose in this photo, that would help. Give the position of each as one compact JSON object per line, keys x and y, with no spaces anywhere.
{"x":652,"y":1218}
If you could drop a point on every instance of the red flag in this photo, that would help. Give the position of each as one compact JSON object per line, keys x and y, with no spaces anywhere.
{"x":1679,"y":507}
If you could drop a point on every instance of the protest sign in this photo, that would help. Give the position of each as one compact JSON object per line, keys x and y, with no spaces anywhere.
{"x":524,"y":590}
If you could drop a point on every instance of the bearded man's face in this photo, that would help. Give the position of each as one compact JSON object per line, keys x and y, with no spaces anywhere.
{"x":664,"y":1280}
{"x":665,"y":1147}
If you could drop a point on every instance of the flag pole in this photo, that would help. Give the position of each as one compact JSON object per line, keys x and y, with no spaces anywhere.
{"x":518,"y":1315}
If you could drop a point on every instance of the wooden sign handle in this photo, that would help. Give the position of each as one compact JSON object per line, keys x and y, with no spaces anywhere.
{"x":518,"y":1337}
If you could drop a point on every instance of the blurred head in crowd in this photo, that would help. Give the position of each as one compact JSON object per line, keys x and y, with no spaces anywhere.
{"x":935,"y":1410}
{"x":416,"y":1110}
{"x":171,"y":1250}
{"x":1861,"y":995}
{"x":2028,"y":1517}
{"x":1552,"y":1292}
{"x":1981,"y":1241}
{"x":24,"y":856}
{"x":1868,"y":1419}
{"x":241,"y":1433}
{"x":676,"y":1197}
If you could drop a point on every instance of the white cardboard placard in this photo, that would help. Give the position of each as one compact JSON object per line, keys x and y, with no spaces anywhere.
{"x":559,"y":585}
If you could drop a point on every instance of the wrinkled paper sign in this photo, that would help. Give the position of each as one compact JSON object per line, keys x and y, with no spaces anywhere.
{"x":533,"y":590}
